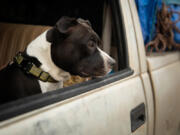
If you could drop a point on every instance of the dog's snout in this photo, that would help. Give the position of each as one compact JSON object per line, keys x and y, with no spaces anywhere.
{"x":111,"y":62}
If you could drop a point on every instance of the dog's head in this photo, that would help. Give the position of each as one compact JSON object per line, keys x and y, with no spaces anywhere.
{"x":75,"y":48}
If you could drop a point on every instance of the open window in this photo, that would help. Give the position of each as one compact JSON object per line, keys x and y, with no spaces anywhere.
{"x":21,"y":22}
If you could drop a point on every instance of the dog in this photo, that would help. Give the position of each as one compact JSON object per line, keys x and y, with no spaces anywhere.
{"x":70,"y":47}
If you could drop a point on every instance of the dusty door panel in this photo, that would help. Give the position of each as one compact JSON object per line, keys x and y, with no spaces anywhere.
{"x":150,"y":103}
{"x":159,"y":60}
{"x":165,"y":77}
{"x":106,"y":111}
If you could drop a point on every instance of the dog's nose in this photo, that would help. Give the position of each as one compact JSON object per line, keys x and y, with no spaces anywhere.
{"x":111,"y":62}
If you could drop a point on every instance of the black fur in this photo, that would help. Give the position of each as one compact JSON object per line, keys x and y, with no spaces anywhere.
{"x":16,"y":84}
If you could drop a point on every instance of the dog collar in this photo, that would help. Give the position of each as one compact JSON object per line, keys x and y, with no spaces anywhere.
{"x":30,"y":67}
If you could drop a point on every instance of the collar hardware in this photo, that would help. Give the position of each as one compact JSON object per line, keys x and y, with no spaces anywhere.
{"x":30,"y":68}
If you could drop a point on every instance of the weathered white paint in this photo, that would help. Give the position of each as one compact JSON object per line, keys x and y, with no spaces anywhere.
{"x":166,"y":83}
{"x":159,"y":60}
{"x":149,"y":103}
{"x":106,"y":111}
{"x":130,"y":36}
{"x":143,"y":69}
{"x":139,"y":37}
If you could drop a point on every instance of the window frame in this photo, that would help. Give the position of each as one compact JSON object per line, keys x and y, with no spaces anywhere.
{"x":21,"y":106}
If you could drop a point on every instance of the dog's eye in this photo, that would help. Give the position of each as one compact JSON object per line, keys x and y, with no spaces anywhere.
{"x":91,"y":44}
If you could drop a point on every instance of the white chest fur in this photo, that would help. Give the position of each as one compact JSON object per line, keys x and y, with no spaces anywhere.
{"x":46,"y":86}
{"x":41,"y":49}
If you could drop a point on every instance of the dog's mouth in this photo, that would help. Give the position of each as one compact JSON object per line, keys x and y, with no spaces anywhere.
{"x":84,"y":74}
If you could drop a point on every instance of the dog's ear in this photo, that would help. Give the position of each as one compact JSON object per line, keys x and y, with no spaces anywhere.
{"x":65,"y":24}
{"x":61,"y":29}
{"x":54,"y":36}
{"x":80,"y":20}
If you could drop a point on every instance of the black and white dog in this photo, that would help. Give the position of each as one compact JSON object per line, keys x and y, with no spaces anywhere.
{"x":70,"y":47}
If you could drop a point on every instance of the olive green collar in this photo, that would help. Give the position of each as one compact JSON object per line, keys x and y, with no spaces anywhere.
{"x":29,"y":67}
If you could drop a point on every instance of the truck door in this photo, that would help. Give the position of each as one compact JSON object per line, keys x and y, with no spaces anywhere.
{"x":112,"y":105}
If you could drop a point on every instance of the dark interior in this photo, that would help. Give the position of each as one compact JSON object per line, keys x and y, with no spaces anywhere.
{"x":42,"y":12}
